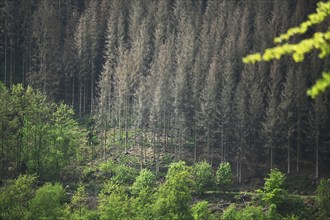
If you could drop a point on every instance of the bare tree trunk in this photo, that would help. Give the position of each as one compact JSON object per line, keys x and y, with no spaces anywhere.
{"x":85,"y":99}
{"x":208,"y":144}
{"x":299,"y":142}
{"x":289,"y":155}
{"x":157,"y":161}
{"x":2,"y":152}
{"x":317,"y":143}
{"x":80,"y":97}
{"x":126,"y":124}
{"x":5,"y":77}
{"x":195,"y":144}
{"x":271,"y":157}
{"x":105,"y":139}
{"x":92,"y":88}
{"x":141,"y":148}
{"x":12,"y":66}
{"x":73,"y":87}
{"x":222,"y":142}
{"x":237,"y":164}
{"x":165,"y":132}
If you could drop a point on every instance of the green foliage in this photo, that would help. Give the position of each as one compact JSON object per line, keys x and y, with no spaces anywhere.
{"x":247,"y":213}
{"x":320,"y":41}
{"x":114,"y":202}
{"x":273,"y":188}
{"x":144,"y":182}
{"x":272,"y":212}
{"x":48,"y":202}
{"x":203,"y":176}
{"x":119,"y":173}
{"x":108,"y":168}
{"x":125,"y":174}
{"x":143,"y":195}
{"x":78,"y":206}
{"x":200,"y":211}
{"x":41,"y":137}
{"x":224,"y":176}
{"x":251,"y":212}
{"x":295,"y":206}
{"x":230,"y":213}
{"x":174,"y":196}
{"x":323,"y":197}
{"x":320,"y":86}
{"x":14,"y":197}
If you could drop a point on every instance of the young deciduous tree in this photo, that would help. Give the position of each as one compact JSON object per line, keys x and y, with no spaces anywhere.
{"x":48,"y":202}
{"x":174,"y":196}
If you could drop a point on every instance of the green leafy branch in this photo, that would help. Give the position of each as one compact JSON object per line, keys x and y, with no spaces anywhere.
{"x":319,"y":41}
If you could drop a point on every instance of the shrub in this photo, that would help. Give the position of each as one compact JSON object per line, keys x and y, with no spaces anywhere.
{"x":200,"y":211}
{"x":323,"y":197}
{"x":250,"y":213}
{"x":247,"y":213}
{"x":272,"y":212}
{"x":203,"y":176}
{"x":224,"y":176}
{"x":107,"y":168}
{"x":174,"y":196}
{"x":118,"y":173}
{"x":143,"y":197}
{"x":78,"y":206}
{"x":145,"y":181}
{"x":113,"y":202}
{"x":273,"y":192}
{"x":230,"y":213}
{"x":48,"y":202}
{"x":125,"y":175}
{"x":14,"y":197}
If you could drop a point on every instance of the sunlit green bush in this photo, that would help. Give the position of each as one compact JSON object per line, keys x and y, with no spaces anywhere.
{"x":273,"y":188}
{"x":174,"y":196}
{"x":145,"y":181}
{"x":14,"y":197}
{"x":203,"y":176}
{"x":247,"y":213}
{"x":323,"y":198}
{"x":200,"y":211}
{"x":224,"y":176}
{"x":114,"y":202}
{"x":48,"y":202}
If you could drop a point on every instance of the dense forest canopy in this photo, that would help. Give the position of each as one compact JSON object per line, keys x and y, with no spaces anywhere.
{"x":169,"y":75}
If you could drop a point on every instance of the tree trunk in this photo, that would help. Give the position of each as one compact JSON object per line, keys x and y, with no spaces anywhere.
{"x":126,"y":124}
{"x":80,"y":97}
{"x":2,"y":152}
{"x":72,"y":95}
{"x":208,"y":144}
{"x":12,"y":66}
{"x":92,"y":88}
{"x":105,"y":139}
{"x":271,"y":156}
{"x":195,"y":144}
{"x":141,"y":147}
{"x":85,"y":99}
{"x":289,"y":154}
{"x":222,"y":143}
{"x":317,"y":142}
{"x":5,"y":77}
{"x":165,"y":132}
{"x":299,"y":142}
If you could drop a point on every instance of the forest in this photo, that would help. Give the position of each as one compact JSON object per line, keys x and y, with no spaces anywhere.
{"x":144,"y":109}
